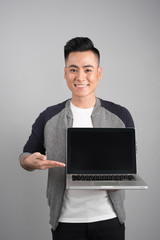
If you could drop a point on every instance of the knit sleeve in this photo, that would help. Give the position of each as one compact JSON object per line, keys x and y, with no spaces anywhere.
{"x":35,"y":142}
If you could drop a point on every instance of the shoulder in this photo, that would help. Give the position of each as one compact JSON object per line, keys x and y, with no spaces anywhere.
{"x":119,"y":111}
{"x":50,"y":112}
{"x":54,"y":110}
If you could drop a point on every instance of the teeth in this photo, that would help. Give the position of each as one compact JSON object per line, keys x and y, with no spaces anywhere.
{"x":78,"y":85}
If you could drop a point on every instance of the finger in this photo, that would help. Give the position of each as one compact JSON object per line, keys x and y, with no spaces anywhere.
{"x":52,"y":164}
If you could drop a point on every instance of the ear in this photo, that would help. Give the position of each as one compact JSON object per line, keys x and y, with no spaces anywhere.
{"x":99,"y":72}
{"x":65,"y":69}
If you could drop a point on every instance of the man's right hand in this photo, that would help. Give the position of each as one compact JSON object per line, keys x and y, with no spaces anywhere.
{"x":38,"y":161}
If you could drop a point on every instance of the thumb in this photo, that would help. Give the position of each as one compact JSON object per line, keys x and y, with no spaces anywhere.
{"x":40,"y":156}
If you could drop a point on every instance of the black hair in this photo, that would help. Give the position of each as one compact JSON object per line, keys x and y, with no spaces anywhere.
{"x":80,"y":44}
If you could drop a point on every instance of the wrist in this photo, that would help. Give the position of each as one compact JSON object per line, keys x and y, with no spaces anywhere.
{"x":24,"y":163}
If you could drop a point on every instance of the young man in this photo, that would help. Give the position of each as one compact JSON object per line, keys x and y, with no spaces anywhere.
{"x":77,"y":214}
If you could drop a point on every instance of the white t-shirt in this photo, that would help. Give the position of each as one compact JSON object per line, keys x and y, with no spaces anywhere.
{"x":85,"y":205}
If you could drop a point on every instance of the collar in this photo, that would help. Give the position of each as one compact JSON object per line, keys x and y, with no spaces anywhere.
{"x":96,"y":109}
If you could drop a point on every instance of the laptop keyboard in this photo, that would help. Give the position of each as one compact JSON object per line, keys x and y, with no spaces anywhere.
{"x":103,"y":178}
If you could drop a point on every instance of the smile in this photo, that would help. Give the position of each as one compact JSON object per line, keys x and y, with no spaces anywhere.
{"x":81,"y":85}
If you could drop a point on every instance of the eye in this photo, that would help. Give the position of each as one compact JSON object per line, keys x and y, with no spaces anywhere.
{"x":88,"y":70}
{"x":73,"y":70}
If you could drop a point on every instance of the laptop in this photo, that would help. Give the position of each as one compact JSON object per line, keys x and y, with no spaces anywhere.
{"x":102,"y":158}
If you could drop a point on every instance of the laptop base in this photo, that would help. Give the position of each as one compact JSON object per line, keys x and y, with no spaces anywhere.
{"x":137,"y":184}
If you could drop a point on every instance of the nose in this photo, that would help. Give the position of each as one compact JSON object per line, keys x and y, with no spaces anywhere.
{"x":80,"y":75}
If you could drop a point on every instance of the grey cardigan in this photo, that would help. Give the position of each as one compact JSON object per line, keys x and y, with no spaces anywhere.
{"x":49,"y":137}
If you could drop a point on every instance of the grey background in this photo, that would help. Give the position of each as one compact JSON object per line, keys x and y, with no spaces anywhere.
{"x":32,"y":36}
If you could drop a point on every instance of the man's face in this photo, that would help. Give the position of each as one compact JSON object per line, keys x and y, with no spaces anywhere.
{"x":82,"y":74}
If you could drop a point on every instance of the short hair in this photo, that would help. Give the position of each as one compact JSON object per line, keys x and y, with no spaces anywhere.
{"x":80,"y":44}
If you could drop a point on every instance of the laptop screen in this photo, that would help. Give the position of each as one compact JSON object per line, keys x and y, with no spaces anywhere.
{"x":101,"y":151}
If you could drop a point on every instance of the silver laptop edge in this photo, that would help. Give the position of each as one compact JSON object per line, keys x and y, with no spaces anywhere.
{"x":137,"y":184}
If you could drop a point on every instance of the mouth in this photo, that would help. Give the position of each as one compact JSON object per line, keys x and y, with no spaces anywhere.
{"x":81,"y":86}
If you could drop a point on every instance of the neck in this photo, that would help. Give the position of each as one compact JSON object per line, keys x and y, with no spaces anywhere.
{"x":83,"y":103}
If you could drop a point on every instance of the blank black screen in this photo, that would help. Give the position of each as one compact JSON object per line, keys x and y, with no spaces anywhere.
{"x":101,"y":150}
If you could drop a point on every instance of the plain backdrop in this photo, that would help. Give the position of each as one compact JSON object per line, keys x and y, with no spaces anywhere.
{"x":32,"y":36}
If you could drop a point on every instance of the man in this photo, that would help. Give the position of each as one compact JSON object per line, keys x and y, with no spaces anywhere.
{"x":77,"y":214}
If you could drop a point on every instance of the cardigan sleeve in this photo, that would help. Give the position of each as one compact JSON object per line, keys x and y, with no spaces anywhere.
{"x":35,"y":142}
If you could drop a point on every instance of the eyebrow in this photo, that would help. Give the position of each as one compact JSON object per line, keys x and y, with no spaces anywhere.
{"x":75,"y":66}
